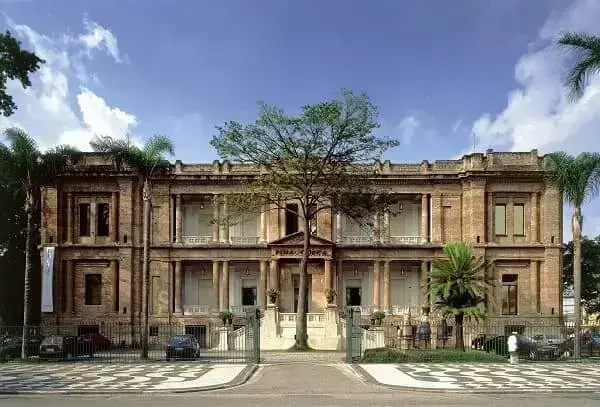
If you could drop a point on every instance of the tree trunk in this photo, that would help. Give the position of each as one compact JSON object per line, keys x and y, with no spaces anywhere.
{"x":460,"y":342}
{"x":577,"y":225}
{"x":147,"y":198}
{"x":28,"y":271}
{"x":301,"y":326}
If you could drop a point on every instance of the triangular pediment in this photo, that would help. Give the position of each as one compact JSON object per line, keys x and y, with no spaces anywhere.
{"x":297,"y":239}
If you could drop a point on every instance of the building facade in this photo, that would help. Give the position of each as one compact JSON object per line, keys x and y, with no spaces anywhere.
{"x":92,"y":218}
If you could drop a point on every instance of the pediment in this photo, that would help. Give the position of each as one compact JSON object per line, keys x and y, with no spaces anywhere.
{"x":297,"y":239}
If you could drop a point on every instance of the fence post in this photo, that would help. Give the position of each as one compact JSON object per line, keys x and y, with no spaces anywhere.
{"x":349,"y":332}
{"x":256,"y":329}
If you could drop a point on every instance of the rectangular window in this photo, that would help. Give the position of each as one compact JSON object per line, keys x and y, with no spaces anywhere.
{"x":84,"y":219}
{"x":153,"y":330}
{"x":102,"y":219}
{"x":518,"y":219}
{"x":93,"y":289}
{"x":248,"y":296}
{"x":500,"y":219}
{"x":509,"y":294}
{"x":291,"y":218}
{"x":313,"y":219}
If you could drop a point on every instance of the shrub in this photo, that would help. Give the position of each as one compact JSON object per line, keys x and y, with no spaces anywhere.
{"x":387,"y":355}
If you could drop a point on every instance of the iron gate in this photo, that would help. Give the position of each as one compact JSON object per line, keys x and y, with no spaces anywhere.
{"x":353,"y":335}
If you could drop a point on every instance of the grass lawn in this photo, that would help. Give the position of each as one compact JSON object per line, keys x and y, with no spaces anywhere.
{"x":385,"y":355}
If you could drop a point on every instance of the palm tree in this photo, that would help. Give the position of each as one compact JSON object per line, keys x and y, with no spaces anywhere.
{"x":25,"y":169}
{"x":579,"y":180}
{"x":587,"y":50}
{"x":459,"y":285}
{"x":147,"y":161}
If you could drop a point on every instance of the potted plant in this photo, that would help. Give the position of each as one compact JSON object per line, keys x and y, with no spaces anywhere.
{"x":330,"y":295}
{"x":377,"y":317}
{"x":226,"y":317}
{"x":273,"y":295}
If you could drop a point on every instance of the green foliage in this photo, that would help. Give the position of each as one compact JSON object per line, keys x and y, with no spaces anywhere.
{"x":460,"y":282}
{"x":387,"y":355}
{"x":147,"y":161}
{"x":586,"y":49}
{"x":15,"y":64}
{"x":226,"y":317}
{"x":578,"y":177}
{"x":590,"y":265}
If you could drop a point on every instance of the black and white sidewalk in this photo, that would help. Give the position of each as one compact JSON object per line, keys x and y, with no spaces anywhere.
{"x":115,"y":378}
{"x":487,"y":377}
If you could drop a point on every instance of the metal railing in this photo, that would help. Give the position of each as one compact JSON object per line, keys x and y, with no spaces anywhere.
{"x":197,"y":239}
{"x":121,"y":342}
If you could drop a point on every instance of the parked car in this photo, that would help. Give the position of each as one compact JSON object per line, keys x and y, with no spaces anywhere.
{"x":590,"y":346}
{"x":10,"y":346}
{"x":548,"y":339}
{"x":64,"y":347}
{"x":526,"y":347}
{"x":183,"y":347}
{"x":479,"y":341}
{"x":96,"y":341}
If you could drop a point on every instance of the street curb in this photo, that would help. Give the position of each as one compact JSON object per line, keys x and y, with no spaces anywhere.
{"x":369,"y":379}
{"x":240,"y":379}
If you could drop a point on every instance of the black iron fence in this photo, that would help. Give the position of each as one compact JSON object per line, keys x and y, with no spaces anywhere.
{"x":118,"y":342}
{"x":537,"y":339}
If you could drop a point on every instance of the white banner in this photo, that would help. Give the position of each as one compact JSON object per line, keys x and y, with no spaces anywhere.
{"x":47,"y":280}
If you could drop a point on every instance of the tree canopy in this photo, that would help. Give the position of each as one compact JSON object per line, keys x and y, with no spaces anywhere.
{"x":590,"y":275}
{"x":15,"y":63}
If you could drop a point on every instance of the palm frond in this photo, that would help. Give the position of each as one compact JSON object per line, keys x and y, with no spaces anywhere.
{"x":586,"y":49}
{"x":158,"y":146}
{"x":577,"y":177}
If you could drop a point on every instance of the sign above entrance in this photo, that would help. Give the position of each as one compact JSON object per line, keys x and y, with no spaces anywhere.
{"x":297,"y":252}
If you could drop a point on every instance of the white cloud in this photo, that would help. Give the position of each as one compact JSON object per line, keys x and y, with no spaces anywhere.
{"x":538,"y":113}
{"x":45,"y":109}
{"x":98,"y":37}
{"x":408,"y":128}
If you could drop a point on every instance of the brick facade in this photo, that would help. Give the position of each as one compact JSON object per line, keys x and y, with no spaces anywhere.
{"x":454,"y":200}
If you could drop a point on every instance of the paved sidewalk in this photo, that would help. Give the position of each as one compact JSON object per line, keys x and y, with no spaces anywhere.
{"x":118,"y":378}
{"x":558,"y":377}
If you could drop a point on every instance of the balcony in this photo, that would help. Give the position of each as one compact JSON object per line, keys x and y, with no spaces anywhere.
{"x":357,"y":239}
{"x":244,"y":240}
{"x":197,"y":309}
{"x":242,"y":309}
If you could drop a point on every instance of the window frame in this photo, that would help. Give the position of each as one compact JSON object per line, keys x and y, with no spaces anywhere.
{"x":290,"y":213}
{"x":99,"y":206}
{"x":88,"y":289}
{"x":496,"y":206}
{"x":509,"y":289}
{"x":88,"y":217}
{"x":522,"y":224}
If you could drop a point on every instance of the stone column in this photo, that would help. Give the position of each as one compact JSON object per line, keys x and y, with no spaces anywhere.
{"x":490,"y":217}
{"x":215,"y":285}
{"x":225,"y":285}
{"x":436,"y":218}
{"x":376,"y":285}
{"x":423,"y":276}
{"x":178,"y":219}
{"x":376,"y":228}
{"x":262,"y":285}
{"x":534,"y":218}
{"x":224,"y":221}
{"x":216,"y":222}
{"x":339,"y":271}
{"x":328,"y":276}
{"x":263,"y":224}
{"x":386,"y":226}
{"x":70,"y":216}
{"x":535,"y":285}
{"x":114,"y":216}
{"x":177,"y":288}
{"x":274,"y":274}
{"x":69,"y":289}
{"x":424,"y":218}
{"x":114,"y":266}
{"x":338,"y":227}
{"x":386,"y":287}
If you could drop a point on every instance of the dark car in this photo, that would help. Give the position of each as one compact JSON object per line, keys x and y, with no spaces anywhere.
{"x":183,"y":347}
{"x":590,"y":346}
{"x":526,"y":347}
{"x":480,"y":340}
{"x":96,"y":341}
{"x":10,"y":346}
{"x":64,"y":347}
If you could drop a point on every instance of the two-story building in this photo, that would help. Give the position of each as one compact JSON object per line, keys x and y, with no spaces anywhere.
{"x":199,"y":265}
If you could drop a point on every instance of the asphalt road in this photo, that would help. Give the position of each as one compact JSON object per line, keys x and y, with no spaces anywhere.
{"x":304,"y":384}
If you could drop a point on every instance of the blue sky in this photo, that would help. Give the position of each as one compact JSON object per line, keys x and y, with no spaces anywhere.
{"x":443,"y":73}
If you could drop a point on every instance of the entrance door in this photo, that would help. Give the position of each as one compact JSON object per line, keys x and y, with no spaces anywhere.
{"x":296,"y":286}
{"x":353,"y":296}
{"x":399,"y":295}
